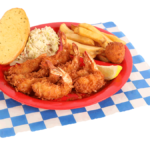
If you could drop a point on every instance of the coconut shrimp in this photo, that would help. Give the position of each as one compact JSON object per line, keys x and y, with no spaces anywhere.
{"x":22,"y":83}
{"x":61,"y":57}
{"x":72,"y":66}
{"x":26,"y":67}
{"x":12,"y":79}
{"x":39,"y":74}
{"x":49,"y":91}
{"x":91,"y":79}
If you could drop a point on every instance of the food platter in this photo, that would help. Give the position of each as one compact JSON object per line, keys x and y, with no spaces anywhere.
{"x":64,"y":103}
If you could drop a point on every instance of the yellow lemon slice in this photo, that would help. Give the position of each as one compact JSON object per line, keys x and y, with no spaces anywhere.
{"x":110,"y":72}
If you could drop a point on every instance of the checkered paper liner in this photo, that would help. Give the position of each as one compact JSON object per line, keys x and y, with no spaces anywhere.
{"x":16,"y":117}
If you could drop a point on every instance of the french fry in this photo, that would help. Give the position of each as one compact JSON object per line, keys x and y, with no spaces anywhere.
{"x":92,"y":50}
{"x":76,"y":30}
{"x":89,"y":27}
{"x":90,"y":34}
{"x":102,"y":58}
{"x":80,"y":39}
{"x":114,"y":38}
{"x":103,"y":53}
{"x":65,"y":29}
{"x":109,"y":37}
{"x":97,"y":44}
{"x":73,"y":27}
{"x":94,"y":29}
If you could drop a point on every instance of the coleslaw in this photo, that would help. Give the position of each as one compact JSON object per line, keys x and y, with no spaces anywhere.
{"x":40,"y":41}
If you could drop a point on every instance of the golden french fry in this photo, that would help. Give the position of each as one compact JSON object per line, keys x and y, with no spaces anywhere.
{"x":81,"y":54}
{"x":83,"y":47}
{"x":109,"y":37}
{"x":94,"y":36}
{"x":102,"y":58}
{"x":103,"y":53}
{"x":89,"y":27}
{"x":94,"y":29}
{"x":80,"y":39}
{"x":97,"y":44}
{"x":65,"y":29}
{"x":76,"y":30}
{"x":93,"y":55}
{"x":92,"y":50}
{"x":114,"y":38}
{"x":73,"y":27}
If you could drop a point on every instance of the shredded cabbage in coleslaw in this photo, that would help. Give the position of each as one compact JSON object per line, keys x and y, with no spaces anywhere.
{"x":40,"y":41}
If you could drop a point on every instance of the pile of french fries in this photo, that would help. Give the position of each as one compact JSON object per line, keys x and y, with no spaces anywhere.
{"x":89,"y":38}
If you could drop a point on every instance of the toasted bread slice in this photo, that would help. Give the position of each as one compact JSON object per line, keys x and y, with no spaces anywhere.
{"x":14,"y":32}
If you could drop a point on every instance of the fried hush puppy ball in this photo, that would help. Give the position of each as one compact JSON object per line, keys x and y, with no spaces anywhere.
{"x":115,"y":52}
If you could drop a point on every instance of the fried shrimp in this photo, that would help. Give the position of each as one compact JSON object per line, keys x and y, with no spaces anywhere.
{"x":26,"y":67}
{"x":39,"y":74}
{"x":22,"y":83}
{"x":48,"y":91}
{"x":91,"y":79}
{"x":72,"y":66}
{"x":61,"y":57}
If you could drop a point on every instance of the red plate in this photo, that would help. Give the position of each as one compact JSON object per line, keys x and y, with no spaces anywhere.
{"x":111,"y":88}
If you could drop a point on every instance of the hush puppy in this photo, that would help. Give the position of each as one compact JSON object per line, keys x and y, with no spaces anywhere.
{"x":115,"y":52}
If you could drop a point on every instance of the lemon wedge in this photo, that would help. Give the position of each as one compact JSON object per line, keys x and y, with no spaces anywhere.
{"x":110,"y":72}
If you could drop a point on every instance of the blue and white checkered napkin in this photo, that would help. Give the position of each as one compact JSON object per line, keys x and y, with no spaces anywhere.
{"x":16,"y":117}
